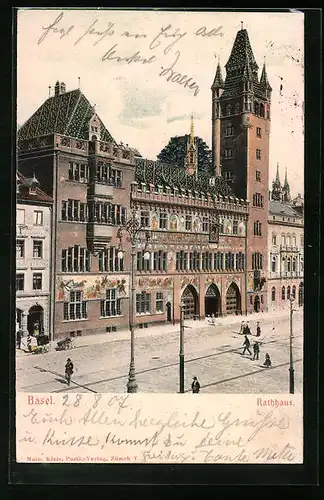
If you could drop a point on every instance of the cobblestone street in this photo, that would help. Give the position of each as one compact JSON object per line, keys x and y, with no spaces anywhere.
{"x":212,"y":352}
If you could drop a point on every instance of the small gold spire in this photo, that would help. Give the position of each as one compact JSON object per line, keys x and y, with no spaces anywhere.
{"x":192,"y":131}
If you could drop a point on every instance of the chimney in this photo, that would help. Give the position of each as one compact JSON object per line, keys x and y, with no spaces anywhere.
{"x":57,"y":89}
{"x":63,"y":88}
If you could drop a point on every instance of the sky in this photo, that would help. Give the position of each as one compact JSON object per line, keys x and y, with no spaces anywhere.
{"x":134,"y":95}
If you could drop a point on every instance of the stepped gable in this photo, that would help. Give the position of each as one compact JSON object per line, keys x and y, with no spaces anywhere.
{"x":67,"y":113}
{"x":165,"y":174}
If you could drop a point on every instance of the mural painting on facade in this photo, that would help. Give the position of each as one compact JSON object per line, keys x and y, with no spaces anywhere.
{"x":233,"y":279}
{"x":182,"y":222}
{"x":154,"y":282}
{"x":173,"y":222}
{"x":228,"y":226}
{"x":197,"y":224}
{"x":241,"y":228}
{"x":154,"y":222}
{"x":92,"y":287}
{"x":210,"y":280}
{"x":190,"y":281}
{"x":250,"y":282}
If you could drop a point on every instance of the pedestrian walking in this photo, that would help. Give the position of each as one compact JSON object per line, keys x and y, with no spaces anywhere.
{"x":68,"y":370}
{"x":242,"y":329}
{"x":258,"y":330}
{"x":195,"y":386}
{"x":256,"y":350}
{"x":246,"y":344}
{"x":267,"y":361}
{"x":247,"y":330}
{"x":19,"y":337}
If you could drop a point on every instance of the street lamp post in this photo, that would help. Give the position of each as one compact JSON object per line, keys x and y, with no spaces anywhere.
{"x":291,"y":365}
{"x":181,"y":352}
{"x":133,"y":228}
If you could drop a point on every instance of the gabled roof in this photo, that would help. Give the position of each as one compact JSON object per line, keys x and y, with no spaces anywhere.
{"x":282,"y":209}
{"x":25,"y":194}
{"x":67,"y":113}
{"x":165,"y":174}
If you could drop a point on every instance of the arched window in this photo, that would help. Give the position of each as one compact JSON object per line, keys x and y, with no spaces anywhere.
{"x":283,"y":293}
{"x":229,"y":109}
{"x":288,"y":292}
{"x":273,"y":294}
{"x":293,"y":240}
{"x":288,"y":241}
{"x":274,"y":238}
{"x":301,"y":265}
{"x":237,"y":108}
{"x":289,"y":264}
{"x":293,"y":292}
{"x":283,"y":239}
{"x":294,"y":265}
{"x":273,"y":264}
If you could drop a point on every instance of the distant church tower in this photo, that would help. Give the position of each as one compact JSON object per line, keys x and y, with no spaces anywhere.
{"x":286,"y":190}
{"x":276,"y":193}
{"x":191,"y":160}
{"x":241,"y":134}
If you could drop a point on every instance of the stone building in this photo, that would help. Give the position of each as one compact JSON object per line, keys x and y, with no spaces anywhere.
{"x":241,"y":116}
{"x":286,"y":247}
{"x":208,"y":230}
{"x":33,"y":256}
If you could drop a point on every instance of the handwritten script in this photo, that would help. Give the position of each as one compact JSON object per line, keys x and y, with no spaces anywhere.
{"x":122,"y":49}
{"x":144,"y":429}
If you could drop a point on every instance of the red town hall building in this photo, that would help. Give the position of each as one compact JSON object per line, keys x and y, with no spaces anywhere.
{"x":208,"y":244}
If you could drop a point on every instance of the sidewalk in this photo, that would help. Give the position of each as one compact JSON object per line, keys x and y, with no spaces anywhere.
{"x":169,"y":329}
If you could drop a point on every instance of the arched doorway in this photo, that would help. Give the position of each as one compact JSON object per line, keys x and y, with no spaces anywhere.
{"x":233,"y":300}
{"x":256,"y":305}
{"x":301,"y":294}
{"x":190,"y":302}
{"x":35,"y":315}
{"x":212,"y":301}
{"x":168,"y":311}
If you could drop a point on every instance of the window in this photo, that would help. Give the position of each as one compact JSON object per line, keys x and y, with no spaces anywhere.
{"x":257,"y":200}
{"x":143,"y":303}
{"x":258,"y":154}
{"x":229,"y":130}
{"x":163,"y":220}
{"x":273,"y":264}
{"x":273,"y":294}
{"x":228,"y":153}
{"x":141,"y":263}
{"x":258,"y":175}
{"x":293,"y":240}
{"x":145,"y":219}
{"x":274,"y":239}
{"x":283,"y":293}
{"x":288,"y":268}
{"x":288,"y":240}
{"x":159,"y":261}
{"x":20,"y":249}
{"x":20,"y":282}
{"x":20,"y":216}
{"x":228,"y":176}
{"x":228,"y":109}
{"x":283,"y":239}
{"x":76,"y":259}
{"x":37,"y":281}
{"x":78,"y":172}
{"x":258,"y":132}
{"x":294,"y":265}
{"x":205,"y":224}
{"x":111,"y":305}
{"x":218,"y":261}
{"x":257,"y":261}
{"x":293,"y":292}
{"x":239,"y":261}
{"x":302,"y":241}
{"x":38,"y":217}
{"x":181,"y":261}
{"x":288,"y":292}
{"x":188,"y":222}
{"x":235,"y":226}
{"x":159,"y":301}
{"x":37,"y":249}
{"x":257,"y":228}
{"x":76,"y":308}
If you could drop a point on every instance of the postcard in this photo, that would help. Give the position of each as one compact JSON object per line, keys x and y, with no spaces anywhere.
{"x":159,"y":236}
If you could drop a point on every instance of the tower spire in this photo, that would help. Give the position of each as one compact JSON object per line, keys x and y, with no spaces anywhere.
{"x":191,"y":162}
{"x":277,"y":174}
{"x":264,"y":82}
{"x":286,"y":188}
{"x":192,"y":131}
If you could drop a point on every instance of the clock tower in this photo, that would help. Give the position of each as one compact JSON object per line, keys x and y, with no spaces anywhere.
{"x":244,"y":112}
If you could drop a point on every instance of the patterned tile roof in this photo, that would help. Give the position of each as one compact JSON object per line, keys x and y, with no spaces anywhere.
{"x":67,"y":113}
{"x":164,"y":174}
{"x":241,"y":51}
{"x":283,"y":209}
{"x":218,"y":80}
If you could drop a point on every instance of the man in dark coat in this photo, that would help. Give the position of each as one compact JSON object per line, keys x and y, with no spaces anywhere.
{"x":19,"y":337}
{"x":247,"y":344}
{"x":256,"y":350}
{"x":195,"y":386}
{"x":68,"y":370}
{"x":258,"y":330}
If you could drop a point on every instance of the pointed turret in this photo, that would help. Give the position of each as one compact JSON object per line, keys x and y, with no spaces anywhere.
{"x":218,"y":82}
{"x":276,"y":187}
{"x":264,"y":82}
{"x":286,"y":189}
{"x":191,"y":155}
